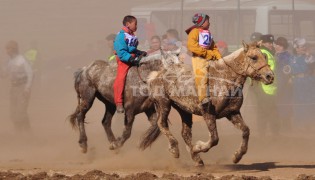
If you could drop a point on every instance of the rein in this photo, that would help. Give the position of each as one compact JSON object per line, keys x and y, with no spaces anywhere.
{"x":241,"y":74}
{"x":138,"y":72}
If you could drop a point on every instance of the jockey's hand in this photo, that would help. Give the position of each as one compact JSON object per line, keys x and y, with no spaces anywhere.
{"x":134,"y":60}
{"x":144,"y":54}
{"x":141,"y":53}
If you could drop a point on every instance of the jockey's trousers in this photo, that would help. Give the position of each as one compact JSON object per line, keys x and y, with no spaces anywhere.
{"x":119,"y":84}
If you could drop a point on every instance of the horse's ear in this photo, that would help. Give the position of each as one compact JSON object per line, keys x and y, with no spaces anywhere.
{"x":259,"y":43}
{"x":245,"y":46}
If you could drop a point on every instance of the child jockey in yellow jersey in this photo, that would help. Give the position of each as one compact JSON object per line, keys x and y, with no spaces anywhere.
{"x":125,"y":46}
{"x":200,"y":43}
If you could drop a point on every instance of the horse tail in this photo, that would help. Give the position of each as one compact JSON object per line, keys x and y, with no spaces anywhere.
{"x":149,"y":137}
{"x":77,"y":79}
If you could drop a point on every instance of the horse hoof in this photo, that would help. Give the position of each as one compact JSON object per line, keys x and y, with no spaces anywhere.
{"x":83,"y":148}
{"x":236,"y":158}
{"x":112,"y":146}
{"x":175,"y":152}
{"x":200,"y":164}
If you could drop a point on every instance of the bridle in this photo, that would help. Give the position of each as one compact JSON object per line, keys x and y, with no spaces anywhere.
{"x":243,"y":72}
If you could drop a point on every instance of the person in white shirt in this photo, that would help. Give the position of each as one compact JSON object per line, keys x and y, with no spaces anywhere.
{"x":20,"y":74}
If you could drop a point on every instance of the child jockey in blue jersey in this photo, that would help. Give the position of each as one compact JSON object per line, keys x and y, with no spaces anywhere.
{"x":125,"y":46}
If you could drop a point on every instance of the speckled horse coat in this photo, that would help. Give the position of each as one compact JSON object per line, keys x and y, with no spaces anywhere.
{"x":96,"y":81}
{"x":175,"y":87}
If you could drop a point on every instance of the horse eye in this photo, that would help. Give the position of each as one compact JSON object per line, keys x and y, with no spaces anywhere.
{"x":254,"y":58}
{"x":266,"y":57}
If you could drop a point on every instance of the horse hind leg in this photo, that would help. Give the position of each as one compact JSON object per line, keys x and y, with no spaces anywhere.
{"x":107,"y":121}
{"x":163,"y":108}
{"x":86,"y":102}
{"x":187,"y":135}
{"x":239,"y":123}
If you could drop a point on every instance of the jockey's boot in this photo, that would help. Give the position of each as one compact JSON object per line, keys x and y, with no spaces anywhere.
{"x":120,"y":108}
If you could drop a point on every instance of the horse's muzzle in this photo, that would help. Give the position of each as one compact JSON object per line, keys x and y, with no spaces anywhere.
{"x":268,"y":78}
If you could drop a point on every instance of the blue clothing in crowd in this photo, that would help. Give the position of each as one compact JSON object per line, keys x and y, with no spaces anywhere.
{"x":284,"y":95}
{"x":302,"y":82}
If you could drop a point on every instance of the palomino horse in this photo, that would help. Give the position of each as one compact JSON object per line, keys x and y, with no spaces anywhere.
{"x":96,"y":81}
{"x":175,"y":87}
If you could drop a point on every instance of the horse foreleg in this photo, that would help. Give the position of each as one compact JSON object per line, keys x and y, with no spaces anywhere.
{"x":107,"y":122}
{"x":238,"y":122}
{"x":201,"y":146}
{"x":129,"y":119}
{"x":163,"y":109}
{"x":187,"y":136}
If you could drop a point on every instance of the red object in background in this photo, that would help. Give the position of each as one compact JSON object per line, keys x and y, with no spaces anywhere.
{"x":221,"y":44}
{"x":150,"y":30}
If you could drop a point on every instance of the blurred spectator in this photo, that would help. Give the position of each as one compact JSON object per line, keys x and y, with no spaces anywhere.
{"x":21,"y":75}
{"x":155,"y":45}
{"x":267,"y":109}
{"x":32,"y":55}
{"x":110,"y":43}
{"x":164,"y":42}
{"x":172,"y":43}
{"x":284,"y":97}
{"x":223,"y":48}
{"x":255,"y":36}
{"x":302,"y":82}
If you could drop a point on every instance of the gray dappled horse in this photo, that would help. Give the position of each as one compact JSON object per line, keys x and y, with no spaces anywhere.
{"x":175,"y":87}
{"x":96,"y":81}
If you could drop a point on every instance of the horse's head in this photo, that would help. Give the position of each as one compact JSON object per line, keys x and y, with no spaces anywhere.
{"x":256,"y":64}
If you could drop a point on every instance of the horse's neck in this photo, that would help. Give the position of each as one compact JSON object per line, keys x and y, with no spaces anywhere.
{"x":229,"y":67}
{"x":152,"y":65}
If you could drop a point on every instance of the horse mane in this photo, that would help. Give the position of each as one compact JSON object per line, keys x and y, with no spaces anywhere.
{"x":233,"y":55}
{"x":164,"y":58}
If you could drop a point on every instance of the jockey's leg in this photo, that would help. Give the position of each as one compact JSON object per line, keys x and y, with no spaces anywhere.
{"x":119,"y":84}
{"x":200,"y":67}
{"x":238,"y":122}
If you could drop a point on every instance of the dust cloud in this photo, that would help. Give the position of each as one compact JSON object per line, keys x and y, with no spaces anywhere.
{"x":71,"y":34}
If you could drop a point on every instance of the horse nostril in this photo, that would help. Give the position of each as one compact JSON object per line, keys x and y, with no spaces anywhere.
{"x":269,"y":77}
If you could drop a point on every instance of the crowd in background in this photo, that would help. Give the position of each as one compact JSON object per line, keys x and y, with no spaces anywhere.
{"x":287,"y":104}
